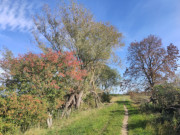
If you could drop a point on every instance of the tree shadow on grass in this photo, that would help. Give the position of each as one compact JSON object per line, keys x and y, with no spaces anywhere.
{"x":132,"y":111}
{"x":123,"y":102}
{"x":117,"y":112}
{"x":138,"y":124}
{"x":127,"y":103}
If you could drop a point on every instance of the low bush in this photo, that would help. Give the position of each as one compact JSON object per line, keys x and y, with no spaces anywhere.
{"x":21,"y":112}
{"x":149,"y":107}
{"x":168,"y":105}
{"x":7,"y":127}
{"x":106,"y":97}
{"x":168,"y":97}
{"x":89,"y":102}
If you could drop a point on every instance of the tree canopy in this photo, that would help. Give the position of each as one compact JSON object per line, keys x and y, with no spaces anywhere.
{"x":108,"y":78}
{"x":49,"y":75}
{"x":150,"y":63}
{"x":73,"y":27}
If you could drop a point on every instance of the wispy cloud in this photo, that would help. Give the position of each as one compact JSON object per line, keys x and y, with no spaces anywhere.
{"x":16,"y":14}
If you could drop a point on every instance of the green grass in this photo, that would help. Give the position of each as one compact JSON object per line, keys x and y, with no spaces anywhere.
{"x":139,"y":123}
{"x":106,"y":120}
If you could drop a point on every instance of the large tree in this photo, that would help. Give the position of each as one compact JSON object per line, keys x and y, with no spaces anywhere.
{"x":73,"y":27}
{"x":150,"y":63}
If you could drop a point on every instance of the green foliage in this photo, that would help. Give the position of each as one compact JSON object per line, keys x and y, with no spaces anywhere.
{"x":106,"y":120}
{"x":89,"y":102}
{"x":41,"y":81}
{"x":21,"y":111}
{"x":165,"y":109}
{"x":167,"y":96}
{"x":149,"y":108}
{"x":7,"y":127}
{"x":106,"y":97}
{"x":86,"y":37}
{"x":139,"y":123}
{"x":108,"y":78}
{"x":74,"y":28}
{"x":50,"y":75}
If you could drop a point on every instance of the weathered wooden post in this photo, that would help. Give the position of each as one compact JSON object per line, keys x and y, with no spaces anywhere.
{"x":49,"y":120}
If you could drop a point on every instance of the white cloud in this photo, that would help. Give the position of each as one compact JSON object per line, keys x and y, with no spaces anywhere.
{"x":15,"y":14}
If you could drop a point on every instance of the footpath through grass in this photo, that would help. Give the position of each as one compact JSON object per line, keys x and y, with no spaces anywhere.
{"x":139,"y":123}
{"x":106,"y":120}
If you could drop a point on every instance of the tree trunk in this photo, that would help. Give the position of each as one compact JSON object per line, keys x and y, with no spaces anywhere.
{"x":79,"y":98}
{"x":97,"y":100}
{"x":153,"y":97}
{"x":68,"y":103}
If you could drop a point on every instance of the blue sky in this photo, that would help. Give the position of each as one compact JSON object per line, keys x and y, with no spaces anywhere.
{"x":136,"y":19}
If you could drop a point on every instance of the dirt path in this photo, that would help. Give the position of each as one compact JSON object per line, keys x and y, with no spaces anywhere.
{"x":125,"y":122}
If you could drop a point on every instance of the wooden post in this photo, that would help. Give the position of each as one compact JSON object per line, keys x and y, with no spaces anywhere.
{"x":49,"y":120}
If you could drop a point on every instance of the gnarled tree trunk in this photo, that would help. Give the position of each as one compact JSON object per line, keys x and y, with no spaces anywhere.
{"x":68,"y":104}
{"x":79,"y":99}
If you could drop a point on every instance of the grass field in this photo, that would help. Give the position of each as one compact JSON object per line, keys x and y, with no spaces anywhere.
{"x":106,"y":120}
{"x":139,"y":123}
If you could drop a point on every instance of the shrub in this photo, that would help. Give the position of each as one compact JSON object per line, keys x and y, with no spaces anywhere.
{"x":89,"y":101}
{"x":51,"y":74}
{"x":167,"y":97}
{"x":149,"y":107}
{"x":7,"y":127}
{"x":106,"y":97}
{"x":22,"y":111}
{"x":168,"y":104}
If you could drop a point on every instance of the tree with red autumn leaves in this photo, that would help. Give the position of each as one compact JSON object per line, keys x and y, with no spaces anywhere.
{"x":50,"y":75}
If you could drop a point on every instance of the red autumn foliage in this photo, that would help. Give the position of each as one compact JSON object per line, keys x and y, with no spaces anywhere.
{"x":51,"y":74}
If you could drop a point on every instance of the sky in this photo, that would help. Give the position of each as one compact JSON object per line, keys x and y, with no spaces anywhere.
{"x":135,"y":19}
